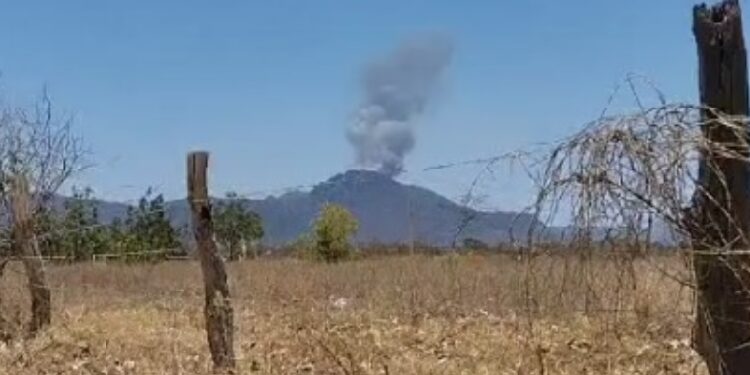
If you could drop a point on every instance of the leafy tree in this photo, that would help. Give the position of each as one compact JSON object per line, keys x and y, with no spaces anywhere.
{"x":81,"y":235}
{"x":235,"y":225}
{"x":333,"y":230}
{"x":76,"y":232}
{"x":121,"y":238}
{"x":146,"y":227}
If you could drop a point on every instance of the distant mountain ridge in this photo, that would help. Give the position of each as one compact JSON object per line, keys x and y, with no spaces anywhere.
{"x":388,"y":212}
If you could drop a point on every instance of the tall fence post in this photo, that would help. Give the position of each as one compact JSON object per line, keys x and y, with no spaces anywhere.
{"x":26,"y":247}
{"x":218,"y":308}
{"x":722,"y":327}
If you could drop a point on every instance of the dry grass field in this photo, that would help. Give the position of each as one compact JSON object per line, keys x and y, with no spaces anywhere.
{"x":468,"y":314}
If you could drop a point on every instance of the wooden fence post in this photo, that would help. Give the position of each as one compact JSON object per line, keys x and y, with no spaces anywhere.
{"x":25,"y":246}
{"x":218,"y":308}
{"x":722,"y":327}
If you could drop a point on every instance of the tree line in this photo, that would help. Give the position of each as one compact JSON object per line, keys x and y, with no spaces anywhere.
{"x":76,"y":231}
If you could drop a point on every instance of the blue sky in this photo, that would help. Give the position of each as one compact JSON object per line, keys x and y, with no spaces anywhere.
{"x":268,"y":86}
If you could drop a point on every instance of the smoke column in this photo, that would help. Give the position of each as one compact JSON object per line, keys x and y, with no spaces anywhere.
{"x":396,"y":90}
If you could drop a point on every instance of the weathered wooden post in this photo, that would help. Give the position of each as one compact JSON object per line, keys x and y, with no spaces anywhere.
{"x":722,"y":331}
{"x":25,"y":246}
{"x":218,"y":308}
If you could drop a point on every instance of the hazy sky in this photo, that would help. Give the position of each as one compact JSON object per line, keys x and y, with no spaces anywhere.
{"x":269,"y":86}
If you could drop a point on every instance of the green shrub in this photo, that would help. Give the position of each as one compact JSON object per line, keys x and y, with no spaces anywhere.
{"x":333,"y":231}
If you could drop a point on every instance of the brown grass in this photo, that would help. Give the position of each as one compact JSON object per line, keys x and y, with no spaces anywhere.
{"x":466,"y":314}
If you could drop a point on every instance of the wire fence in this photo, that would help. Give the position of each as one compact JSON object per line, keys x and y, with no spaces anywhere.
{"x":617,"y":277}
{"x":471,"y":185}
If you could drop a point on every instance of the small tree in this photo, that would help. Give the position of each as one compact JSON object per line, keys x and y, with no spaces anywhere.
{"x":333,"y":230}
{"x":146,"y":227}
{"x":235,"y":225}
{"x":80,"y":235}
{"x":38,"y":154}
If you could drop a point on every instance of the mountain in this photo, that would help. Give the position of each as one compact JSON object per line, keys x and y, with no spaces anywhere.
{"x":388,"y":211}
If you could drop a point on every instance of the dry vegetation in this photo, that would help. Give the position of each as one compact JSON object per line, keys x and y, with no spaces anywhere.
{"x":468,"y":314}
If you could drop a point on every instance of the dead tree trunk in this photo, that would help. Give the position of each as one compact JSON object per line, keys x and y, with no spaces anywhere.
{"x":218,"y":309}
{"x":25,"y":247}
{"x":722,"y":328}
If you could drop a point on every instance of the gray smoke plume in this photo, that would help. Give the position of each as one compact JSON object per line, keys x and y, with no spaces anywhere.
{"x":396,"y":89}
